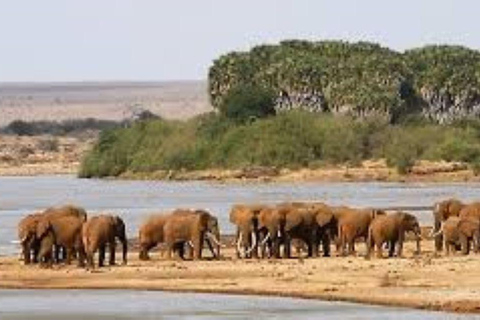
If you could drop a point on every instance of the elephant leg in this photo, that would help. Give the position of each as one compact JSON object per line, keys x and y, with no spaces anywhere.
{"x":34,"y":251}
{"x":197,"y":250}
{"x":391,"y":248}
{"x":145,"y":249}
{"x":112,"y":247}
{"x":464,"y":244}
{"x":326,"y":244}
{"x":439,"y":238}
{"x":170,"y":248}
{"x":26,"y":253}
{"x":81,"y":256}
{"x":101,"y":255}
{"x":379,"y":245}
{"x":286,"y":247}
{"x":68,"y":255}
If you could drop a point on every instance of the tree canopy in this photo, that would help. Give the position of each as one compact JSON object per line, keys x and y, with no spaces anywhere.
{"x":360,"y":79}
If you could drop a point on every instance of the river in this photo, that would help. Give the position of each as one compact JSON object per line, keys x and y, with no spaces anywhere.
{"x":126,"y":305}
{"x":134,"y":200}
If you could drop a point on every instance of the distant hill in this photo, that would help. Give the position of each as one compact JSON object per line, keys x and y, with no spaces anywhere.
{"x":102,"y":100}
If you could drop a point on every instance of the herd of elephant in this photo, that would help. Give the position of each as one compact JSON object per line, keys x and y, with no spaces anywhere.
{"x":61,"y":234}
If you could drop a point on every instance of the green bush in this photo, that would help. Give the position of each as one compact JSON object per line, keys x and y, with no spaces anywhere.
{"x":289,"y":140}
{"x":247,"y":102}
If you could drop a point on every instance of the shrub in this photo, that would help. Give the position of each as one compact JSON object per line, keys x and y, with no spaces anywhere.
{"x":248,"y":102}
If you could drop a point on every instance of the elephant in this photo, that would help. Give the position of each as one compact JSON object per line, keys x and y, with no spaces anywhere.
{"x":460,"y":232}
{"x":100,"y":231}
{"x":192,"y":227}
{"x":308,"y":222}
{"x":61,"y":231}
{"x":470,"y":211}
{"x":245,"y":217}
{"x":391,"y":229}
{"x":353,"y":224}
{"x":62,"y":211}
{"x":271,"y":223}
{"x":66,"y":210}
{"x":27,"y":235}
{"x":327,"y":225}
{"x":151,"y":233}
{"x":441,"y":212}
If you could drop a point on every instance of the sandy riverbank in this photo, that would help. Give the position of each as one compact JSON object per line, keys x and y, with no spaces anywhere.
{"x":423,"y":171}
{"x":426,"y":282}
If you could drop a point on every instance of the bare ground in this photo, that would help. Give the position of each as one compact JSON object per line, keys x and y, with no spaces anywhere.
{"x":101,"y":100}
{"x":41,"y":154}
{"x":424,"y":282}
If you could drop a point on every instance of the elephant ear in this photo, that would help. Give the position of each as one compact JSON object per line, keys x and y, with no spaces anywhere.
{"x":43,"y":227}
{"x":324,"y":217}
{"x":453,"y":208}
{"x":293,"y":218}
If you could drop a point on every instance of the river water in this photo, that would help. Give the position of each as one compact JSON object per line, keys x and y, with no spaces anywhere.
{"x":126,"y":305}
{"x":134,"y":200}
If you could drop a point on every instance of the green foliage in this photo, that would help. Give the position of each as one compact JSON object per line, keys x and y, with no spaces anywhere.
{"x":291,"y":139}
{"x":246,"y":102}
{"x":363,"y":78}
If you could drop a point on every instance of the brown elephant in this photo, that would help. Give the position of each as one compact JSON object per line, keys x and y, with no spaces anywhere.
{"x":193,"y":228}
{"x":310,"y":223}
{"x":102,"y":231}
{"x":300,"y":223}
{"x":66,"y":210}
{"x":391,"y":229}
{"x":245,"y":217}
{"x":353,"y":224}
{"x":27,"y":235}
{"x":150,"y":233}
{"x":271,"y":223}
{"x":441,"y":212}
{"x":61,"y":231}
{"x":471,"y":210}
{"x":62,"y":211}
{"x":461,"y":232}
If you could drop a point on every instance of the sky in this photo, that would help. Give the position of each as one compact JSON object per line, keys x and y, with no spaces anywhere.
{"x":143,"y":40}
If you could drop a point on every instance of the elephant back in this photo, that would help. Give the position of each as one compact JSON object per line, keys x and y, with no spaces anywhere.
{"x":471,"y":210}
{"x":152,"y":228}
{"x":67,"y":210}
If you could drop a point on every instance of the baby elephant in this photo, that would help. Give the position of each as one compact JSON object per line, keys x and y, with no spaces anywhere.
{"x":391,"y":229}
{"x":100,"y":231}
{"x":461,"y":232}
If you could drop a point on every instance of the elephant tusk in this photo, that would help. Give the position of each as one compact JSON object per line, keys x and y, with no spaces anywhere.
{"x":214,"y":239}
{"x":254,"y":244}
{"x":18,"y":241}
{"x":439,"y":232}
{"x":265,"y":240}
{"x":190,"y":243}
{"x":239,"y":244}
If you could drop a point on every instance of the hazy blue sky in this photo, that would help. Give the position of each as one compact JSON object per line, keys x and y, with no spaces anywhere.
{"x":69,"y":40}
